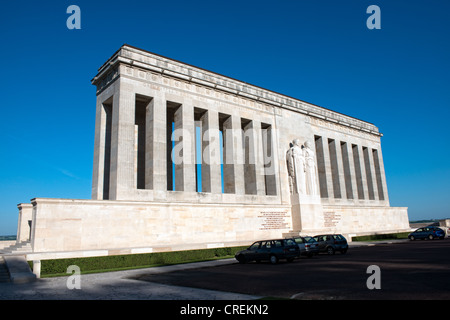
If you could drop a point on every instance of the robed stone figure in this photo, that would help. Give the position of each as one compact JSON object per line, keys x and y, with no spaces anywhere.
{"x":310,"y":170}
{"x":301,"y":165}
{"x":296,"y":168}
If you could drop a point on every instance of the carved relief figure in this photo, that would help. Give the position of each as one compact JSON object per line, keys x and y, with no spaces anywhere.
{"x":310,"y":170}
{"x":296,"y":168}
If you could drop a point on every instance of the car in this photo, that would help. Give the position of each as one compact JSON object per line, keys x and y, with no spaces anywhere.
{"x":330,"y":243}
{"x":308,"y":246}
{"x":272,"y":250}
{"x":429,"y":232}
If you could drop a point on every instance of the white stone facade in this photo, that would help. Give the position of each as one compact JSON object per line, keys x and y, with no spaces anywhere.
{"x":145,"y":192}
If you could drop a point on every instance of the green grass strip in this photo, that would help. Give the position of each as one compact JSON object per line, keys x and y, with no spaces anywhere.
{"x":58,"y":267}
{"x":379,"y":237}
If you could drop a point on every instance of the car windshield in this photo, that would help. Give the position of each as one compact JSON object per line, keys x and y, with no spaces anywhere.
{"x":309,"y":239}
{"x":254,"y":246}
{"x":299,"y":240}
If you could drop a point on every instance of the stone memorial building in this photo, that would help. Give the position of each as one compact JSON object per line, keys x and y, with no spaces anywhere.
{"x":186,"y":158}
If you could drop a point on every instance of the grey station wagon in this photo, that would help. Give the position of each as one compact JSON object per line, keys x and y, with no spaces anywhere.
{"x":330,"y":243}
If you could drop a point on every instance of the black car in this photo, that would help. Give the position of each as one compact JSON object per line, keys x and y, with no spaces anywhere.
{"x":330,"y":243}
{"x":272,"y":250}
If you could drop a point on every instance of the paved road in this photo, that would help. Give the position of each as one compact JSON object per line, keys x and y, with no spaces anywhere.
{"x":118,"y":286}
{"x":409,"y":270}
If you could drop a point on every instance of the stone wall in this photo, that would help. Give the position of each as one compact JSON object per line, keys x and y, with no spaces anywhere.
{"x":70,"y":225}
{"x":75,"y":225}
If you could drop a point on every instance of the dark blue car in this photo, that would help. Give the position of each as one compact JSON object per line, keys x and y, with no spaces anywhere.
{"x":271,"y":250}
{"x":427,"y":233}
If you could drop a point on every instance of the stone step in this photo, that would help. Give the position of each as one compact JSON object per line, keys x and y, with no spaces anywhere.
{"x":19,"y":270}
{"x":21,"y":247}
{"x":26,"y":247}
{"x":4,"y":273}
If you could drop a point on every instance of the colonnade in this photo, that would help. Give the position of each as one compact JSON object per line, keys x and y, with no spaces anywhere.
{"x":350,"y":171}
{"x":162,"y":142}
{"x":153,"y":143}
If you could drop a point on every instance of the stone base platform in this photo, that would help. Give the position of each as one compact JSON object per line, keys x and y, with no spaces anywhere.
{"x":69,"y":225}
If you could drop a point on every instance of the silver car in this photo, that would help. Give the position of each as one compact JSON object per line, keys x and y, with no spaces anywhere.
{"x":330,"y":243}
{"x":308,"y":246}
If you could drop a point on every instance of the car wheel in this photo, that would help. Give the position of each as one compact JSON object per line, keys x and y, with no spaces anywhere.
{"x":330,"y":250}
{"x":412,"y":238}
{"x":241,"y":259}
{"x":273,"y":259}
{"x":430,"y":237}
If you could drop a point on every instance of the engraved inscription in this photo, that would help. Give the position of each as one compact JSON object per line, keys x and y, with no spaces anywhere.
{"x":331,"y":219}
{"x":274,"y":220}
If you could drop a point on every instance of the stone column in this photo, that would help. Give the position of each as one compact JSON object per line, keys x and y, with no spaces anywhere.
{"x":211,"y":171}
{"x":368,"y":173}
{"x":328,"y":173}
{"x":383,"y":177}
{"x":184,"y":136}
{"x":352,"y":192}
{"x":335,"y":168}
{"x":358,"y":171}
{"x":99,"y":147}
{"x":122,"y":174}
{"x":24,"y":222}
{"x":237,"y":154}
{"x":102,"y":145}
{"x":269,"y":160}
{"x":321,"y":167}
{"x":340,"y":167}
{"x":229,"y":151}
{"x":259,"y":158}
{"x":248,"y":143}
{"x":372,"y":173}
{"x":362,"y":163}
{"x":155,"y":157}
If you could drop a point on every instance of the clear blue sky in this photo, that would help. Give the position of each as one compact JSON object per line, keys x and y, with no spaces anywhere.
{"x":317,"y":51}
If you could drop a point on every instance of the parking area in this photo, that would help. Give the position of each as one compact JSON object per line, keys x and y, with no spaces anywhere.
{"x":408,"y":270}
